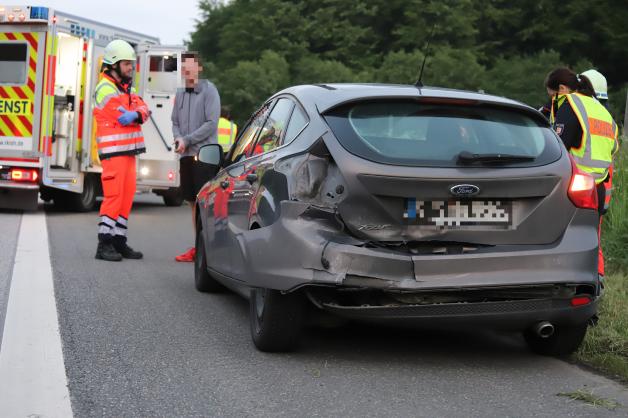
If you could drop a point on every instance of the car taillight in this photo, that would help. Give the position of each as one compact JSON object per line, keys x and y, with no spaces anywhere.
{"x":23,"y":174}
{"x":580,"y":300}
{"x":582,"y":191}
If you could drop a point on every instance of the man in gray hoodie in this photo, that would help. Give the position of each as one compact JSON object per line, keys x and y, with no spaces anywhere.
{"x":194,"y":123}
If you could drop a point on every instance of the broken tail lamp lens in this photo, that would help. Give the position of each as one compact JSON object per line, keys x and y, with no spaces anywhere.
{"x":24,"y":175}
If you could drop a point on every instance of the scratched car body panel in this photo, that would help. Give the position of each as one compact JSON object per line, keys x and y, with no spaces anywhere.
{"x":394,"y":203}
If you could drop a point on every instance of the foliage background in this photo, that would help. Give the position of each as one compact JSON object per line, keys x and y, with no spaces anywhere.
{"x":252,"y":48}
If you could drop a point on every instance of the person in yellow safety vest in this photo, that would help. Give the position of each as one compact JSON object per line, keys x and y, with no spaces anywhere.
{"x":598,"y":81}
{"x":586,"y":128}
{"x":227,"y":129}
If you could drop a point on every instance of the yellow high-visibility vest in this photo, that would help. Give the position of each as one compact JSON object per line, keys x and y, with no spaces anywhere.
{"x":557,"y":102}
{"x":599,"y":136}
{"x":227,"y":131}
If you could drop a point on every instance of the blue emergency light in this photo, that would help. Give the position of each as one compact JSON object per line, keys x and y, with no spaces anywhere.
{"x":39,"y":13}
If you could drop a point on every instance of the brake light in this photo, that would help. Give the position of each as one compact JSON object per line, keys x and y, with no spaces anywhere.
{"x":580,"y":300}
{"x":20,"y":174}
{"x":582,"y":191}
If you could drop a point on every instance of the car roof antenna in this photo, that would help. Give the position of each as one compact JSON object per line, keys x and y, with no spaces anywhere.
{"x":419,"y":82}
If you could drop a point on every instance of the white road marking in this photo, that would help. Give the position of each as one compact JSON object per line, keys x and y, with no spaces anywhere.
{"x":32,"y":371}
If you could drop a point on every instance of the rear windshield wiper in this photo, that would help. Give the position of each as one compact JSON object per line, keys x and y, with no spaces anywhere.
{"x":465,"y":157}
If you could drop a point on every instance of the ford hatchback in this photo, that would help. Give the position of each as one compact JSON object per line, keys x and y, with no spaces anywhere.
{"x":400,"y":204}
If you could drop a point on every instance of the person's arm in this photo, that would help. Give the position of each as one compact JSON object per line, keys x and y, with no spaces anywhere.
{"x":568,"y":127}
{"x":546,"y":109}
{"x":103,"y":95}
{"x":139,"y":106}
{"x":212,"y":114}
{"x":176,"y":133}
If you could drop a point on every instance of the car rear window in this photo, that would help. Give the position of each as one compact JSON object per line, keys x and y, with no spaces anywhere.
{"x":423,"y":134}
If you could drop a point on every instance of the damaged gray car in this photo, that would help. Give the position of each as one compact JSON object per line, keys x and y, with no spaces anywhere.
{"x":399,"y":204}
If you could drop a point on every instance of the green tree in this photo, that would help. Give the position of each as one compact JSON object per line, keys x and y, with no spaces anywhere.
{"x":311,"y":69}
{"x":245,"y":86}
{"x":445,"y":67}
{"x":503,"y":47}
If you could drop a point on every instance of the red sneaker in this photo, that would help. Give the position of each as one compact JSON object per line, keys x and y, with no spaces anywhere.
{"x":187,"y":257}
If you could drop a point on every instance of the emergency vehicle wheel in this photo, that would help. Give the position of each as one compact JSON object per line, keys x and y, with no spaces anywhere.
{"x":565,"y":340}
{"x":203,"y":281}
{"x":276,"y":320}
{"x":85,"y":201}
{"x":173,"y":197}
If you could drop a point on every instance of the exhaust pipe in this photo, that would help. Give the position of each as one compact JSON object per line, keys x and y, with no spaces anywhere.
{"x":544,"y":329}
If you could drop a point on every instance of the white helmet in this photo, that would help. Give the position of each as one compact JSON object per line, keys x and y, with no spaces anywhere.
{"x":599,"y":83}
{"x":118,"y":50}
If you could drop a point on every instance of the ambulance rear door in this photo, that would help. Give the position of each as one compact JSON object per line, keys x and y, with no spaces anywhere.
{"x":69,"y":86}
{"x":159,"y":73}
{"x":22,"y":55}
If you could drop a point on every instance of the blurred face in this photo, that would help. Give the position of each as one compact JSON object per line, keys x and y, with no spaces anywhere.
{"x":191,"y":70}
{"x":126,"y":68}
{"x":562,"y":89}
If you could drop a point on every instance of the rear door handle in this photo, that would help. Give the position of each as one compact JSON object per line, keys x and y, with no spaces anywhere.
{"x":251,"y":178}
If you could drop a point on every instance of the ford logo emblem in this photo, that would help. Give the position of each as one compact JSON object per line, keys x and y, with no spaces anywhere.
{"x":464,"y":190}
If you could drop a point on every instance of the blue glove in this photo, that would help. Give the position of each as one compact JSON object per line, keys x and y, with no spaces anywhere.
{"x":127,"y":117}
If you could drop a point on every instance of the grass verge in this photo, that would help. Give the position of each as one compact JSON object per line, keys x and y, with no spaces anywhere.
{"x":606,"y":345}
{"x":591,"y":399}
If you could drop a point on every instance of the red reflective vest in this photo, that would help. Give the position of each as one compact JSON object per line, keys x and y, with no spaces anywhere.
{"x":112,"y":138}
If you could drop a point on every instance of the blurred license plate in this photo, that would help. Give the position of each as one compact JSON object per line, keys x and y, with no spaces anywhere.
{"x":475,"y":214}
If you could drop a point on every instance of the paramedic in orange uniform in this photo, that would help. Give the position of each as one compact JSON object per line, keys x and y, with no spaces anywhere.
{"x":119,"y":113}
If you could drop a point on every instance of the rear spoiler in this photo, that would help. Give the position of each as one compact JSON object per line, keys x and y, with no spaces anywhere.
{"x":450,"y":101}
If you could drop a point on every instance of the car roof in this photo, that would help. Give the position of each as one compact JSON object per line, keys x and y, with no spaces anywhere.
{"x":329,"y":96}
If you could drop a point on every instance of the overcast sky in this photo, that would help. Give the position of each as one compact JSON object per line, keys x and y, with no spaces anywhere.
{"x":170,"y":20}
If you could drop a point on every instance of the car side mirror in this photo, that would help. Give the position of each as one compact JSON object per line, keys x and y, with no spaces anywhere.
{"x":211,"y":154}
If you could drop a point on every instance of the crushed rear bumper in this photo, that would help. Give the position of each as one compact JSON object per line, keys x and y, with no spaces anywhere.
{"x":504,"y":315}
{"x":301,"y":250}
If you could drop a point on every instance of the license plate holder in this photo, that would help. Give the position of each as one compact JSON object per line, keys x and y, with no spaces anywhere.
{"x":459,"y":214}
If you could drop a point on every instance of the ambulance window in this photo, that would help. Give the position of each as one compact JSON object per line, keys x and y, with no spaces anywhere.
{"x":13,"y":64}
{"x":162,"y":73}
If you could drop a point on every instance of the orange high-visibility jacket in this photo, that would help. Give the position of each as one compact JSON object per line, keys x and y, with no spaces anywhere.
{"x":112,"y":138}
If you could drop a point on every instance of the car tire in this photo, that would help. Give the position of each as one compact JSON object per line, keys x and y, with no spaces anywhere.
{"x":173,"y":197}
{"x":203,"y":281}
{"x":565,"y":340}
{"x":276,"y":320}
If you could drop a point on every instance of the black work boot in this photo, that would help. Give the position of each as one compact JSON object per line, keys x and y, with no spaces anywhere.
{"x":119,"y":243}
{"x":106,"y":251}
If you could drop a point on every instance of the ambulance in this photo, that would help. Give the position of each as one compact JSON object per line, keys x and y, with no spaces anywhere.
{"x":50,"y":63}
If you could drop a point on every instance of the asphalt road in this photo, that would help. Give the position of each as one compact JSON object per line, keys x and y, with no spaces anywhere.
{"x":138,"y":340}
